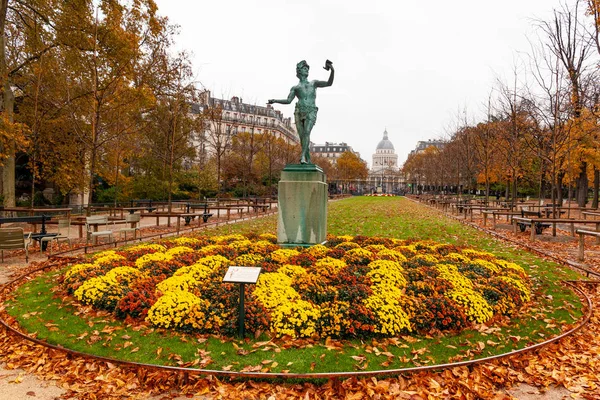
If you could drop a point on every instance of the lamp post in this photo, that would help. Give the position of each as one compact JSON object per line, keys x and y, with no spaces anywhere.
{"x":383,"y":177}
{"x":379,"y":188}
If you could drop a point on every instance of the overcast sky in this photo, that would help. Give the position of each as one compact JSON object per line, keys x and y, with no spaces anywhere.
{"x":410,"y":66}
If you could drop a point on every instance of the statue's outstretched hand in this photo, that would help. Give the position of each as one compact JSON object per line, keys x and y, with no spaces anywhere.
{"x":328,"y":65}
{"x":270,"y":101}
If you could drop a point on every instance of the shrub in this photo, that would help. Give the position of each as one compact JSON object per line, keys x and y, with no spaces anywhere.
{"x":439,"y":313}
{"x":351,"y":287}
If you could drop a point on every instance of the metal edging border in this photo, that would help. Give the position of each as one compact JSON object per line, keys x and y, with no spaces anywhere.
{"x":269,"y":375}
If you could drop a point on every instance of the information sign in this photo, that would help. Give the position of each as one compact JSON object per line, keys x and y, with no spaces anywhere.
{"x":241,"y":276}
{"x":237,"y":274}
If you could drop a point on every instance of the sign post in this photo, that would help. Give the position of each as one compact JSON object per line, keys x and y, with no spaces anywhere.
{"x":241,"y":276}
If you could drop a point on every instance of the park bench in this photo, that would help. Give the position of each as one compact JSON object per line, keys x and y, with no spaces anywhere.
{"x":112,"y":211}
{"x":537,"y":226}
{"x":564,"y":221}
{"x":260,"y":207}
{"x":582,"y":233}
{"x":571,"y":223}
{"x":13,"y":239}
{"x":530,"y":213}
{"x":458,"y":206}
{"x":496,"y":213}
{"x":197,"y":206}
{"x":140,"y":204}
{"x":178,"y":216}
{"x":141,"y":208}
{"x":239,"y":208}
{"x":594,"y":214}
{"x":548,"y":212}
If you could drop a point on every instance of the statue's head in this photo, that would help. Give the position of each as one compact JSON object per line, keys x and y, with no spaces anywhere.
{"x":302,"y":69}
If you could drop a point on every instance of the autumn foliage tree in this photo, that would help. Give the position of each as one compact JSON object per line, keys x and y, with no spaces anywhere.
{"x":349,"y":168}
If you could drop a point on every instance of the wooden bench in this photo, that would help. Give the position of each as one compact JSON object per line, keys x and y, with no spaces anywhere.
{"x":190,"y":214}
{"x":549,"y":213}
{"x":113,"y":211}
{"x":582,"y":233}
{"x":260,"y":207}
{"x":240,"y":210}
{"x":13,"y":239}
{"x":537,"y":226}
{"x":498,"y":212}
{"x":555,"y":221}
{"x":142,"y":208}
{"x":188,"y":217}
{"x":590,"y":213}
{"x":572,"y":223}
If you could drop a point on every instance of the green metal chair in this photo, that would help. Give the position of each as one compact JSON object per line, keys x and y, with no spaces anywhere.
{"x":64,"y":224}
{"x":13,"y":239}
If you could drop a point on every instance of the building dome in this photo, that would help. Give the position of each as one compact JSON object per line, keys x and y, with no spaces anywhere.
{"x":383,"y":175}
{"x":385,"y":143}
{"x":385,"y":156}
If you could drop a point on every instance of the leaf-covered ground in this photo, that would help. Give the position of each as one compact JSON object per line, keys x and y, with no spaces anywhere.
{"x":573,"y":363}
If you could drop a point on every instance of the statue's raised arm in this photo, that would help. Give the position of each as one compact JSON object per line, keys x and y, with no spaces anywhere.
{"x":306,"y":111}
{"x":328,"y":67}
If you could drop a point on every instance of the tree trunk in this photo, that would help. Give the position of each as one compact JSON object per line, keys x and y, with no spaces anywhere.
{"x":90,"y":187}
{"x":7,"y":107}
{"x":514,"y":193}
{"x":8,"y":169}
{"x":558,"y":187}
{"x":596,"y":188}
{"x":582,"y":186}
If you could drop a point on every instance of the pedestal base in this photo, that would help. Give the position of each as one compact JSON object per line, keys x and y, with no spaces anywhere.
{"x":302,"y":206}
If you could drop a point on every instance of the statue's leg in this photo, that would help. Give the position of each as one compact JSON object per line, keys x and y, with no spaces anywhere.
{"x":309,"y":123}
{"x":300,"y":129}
{"x":304,"y":142}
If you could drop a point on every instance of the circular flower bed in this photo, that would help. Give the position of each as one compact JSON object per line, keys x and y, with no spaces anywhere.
{"x":350,"y":287}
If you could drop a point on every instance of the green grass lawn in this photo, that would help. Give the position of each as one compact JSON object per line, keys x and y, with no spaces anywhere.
{"x":57,"y":320}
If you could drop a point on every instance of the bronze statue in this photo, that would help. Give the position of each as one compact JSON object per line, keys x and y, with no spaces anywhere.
{"x":306,"y":111}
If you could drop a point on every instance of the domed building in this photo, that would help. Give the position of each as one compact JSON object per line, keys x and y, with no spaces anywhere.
{"x":383,"y":176}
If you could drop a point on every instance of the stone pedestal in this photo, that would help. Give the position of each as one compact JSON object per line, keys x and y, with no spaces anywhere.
{"x":302,"y":206}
